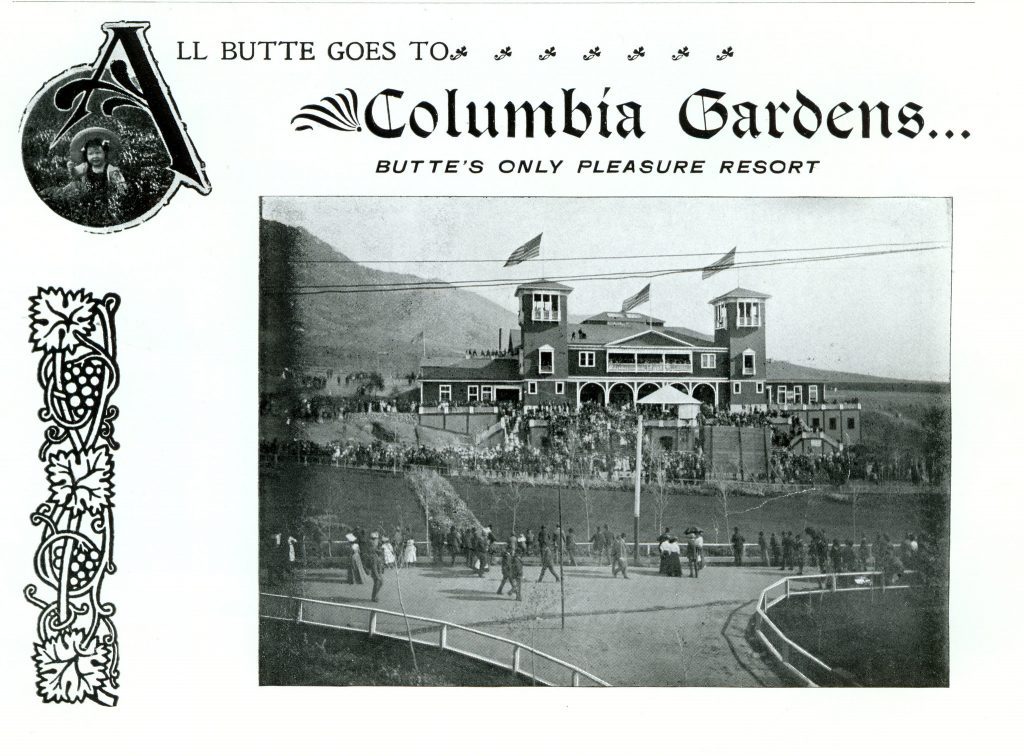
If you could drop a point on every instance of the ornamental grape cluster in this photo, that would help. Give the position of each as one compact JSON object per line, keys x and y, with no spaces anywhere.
{"x":83,"y":383}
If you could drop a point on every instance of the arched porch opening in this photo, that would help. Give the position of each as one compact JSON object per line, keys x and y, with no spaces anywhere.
{"x":592,"y":393}
{"x":621,"y":395}
{"x":706,"y":394}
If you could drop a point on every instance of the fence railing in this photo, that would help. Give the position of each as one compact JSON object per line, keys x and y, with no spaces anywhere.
{"x":504,"y":653}
{"x":808,"y":669}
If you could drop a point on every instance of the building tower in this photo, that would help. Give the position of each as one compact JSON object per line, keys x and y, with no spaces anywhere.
{"x":543,"y":352}
{"x":739,"y":317}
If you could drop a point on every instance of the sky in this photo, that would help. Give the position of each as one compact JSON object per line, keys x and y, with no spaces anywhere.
{"x":885,"y":315}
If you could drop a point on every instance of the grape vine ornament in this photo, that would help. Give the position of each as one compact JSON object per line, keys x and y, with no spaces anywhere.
{"x":76,"y":654}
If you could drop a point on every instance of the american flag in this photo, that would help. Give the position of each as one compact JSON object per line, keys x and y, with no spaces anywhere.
{"x":721,"y":264}
{"x":526,"y":252}
{"x":644,"y":295}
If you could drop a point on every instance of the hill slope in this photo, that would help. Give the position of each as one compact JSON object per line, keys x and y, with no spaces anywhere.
{"x":360,"y":331}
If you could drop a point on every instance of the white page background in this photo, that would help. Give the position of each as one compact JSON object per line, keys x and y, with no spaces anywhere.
{"x":186,"y":507}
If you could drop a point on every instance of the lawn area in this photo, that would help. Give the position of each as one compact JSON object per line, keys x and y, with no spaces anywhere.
{"x":895,"y":639}
{"x":821,"y":509}
{"x":374,"y":500}
{"x":305,"y":655}
{"x":359,"y":498}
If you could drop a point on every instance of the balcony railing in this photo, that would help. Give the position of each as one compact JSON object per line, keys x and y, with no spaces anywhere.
{"x":648,"y":367}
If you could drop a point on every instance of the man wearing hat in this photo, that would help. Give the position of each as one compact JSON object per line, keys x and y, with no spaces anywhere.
{"x":515,"y":574}
{"x":618,"y":555}
{"x":737,"y":547}
{"x":506,"y":568}
{"x":376,"y":564}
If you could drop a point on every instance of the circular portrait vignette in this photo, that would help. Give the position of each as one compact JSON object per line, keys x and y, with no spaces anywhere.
{"x":107,"y":172}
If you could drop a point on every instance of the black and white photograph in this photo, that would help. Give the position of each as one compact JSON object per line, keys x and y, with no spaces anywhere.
{"x":604,"y":441}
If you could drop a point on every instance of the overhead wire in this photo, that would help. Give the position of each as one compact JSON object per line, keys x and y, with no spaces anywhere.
{"x":581,"y":258}
{"x":435,"y":285}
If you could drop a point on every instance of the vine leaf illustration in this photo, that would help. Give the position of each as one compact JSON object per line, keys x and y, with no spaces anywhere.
{"x":70,"y":668}
{"x":59,"y":318}
{"x":81,"y":481}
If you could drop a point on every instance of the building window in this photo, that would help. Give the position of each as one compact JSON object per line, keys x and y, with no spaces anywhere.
{"x":487,"y":393}
{"x":559,"y":387}
{"x":737,"y":388}
{"x":473,"y":393}
{"x":748,"y":314}
{"x":587,"y":359}
{"x":720,"y":316}
{"x":798,"y":395}
{"x":851,"y":424}
{"x":781,"y":395}
{"x":749,"y":362}
{"x":531,"y":387}
{"x":547,"y":361}
{"x":831,"y":423}
{"x":759,"y":387}
{"x":707,"y":361}
{"x":545,"y":307}
{"x":812,"y":394}
{"x":444,"y":392}
{"x":815,"y":423}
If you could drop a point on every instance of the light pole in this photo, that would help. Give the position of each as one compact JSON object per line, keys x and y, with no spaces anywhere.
{"x":636,"y":487}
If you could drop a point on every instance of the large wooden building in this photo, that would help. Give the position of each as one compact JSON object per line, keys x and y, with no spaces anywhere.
{"x":619,"y":357}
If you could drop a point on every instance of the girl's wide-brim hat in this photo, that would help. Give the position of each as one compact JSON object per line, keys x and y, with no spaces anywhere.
{"x":112,"y":140}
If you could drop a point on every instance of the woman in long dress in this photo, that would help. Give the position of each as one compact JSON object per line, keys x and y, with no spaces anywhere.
{"x":673,"y":568}
{"x":409,"y":553}
{"x":358,"y":569}
{"x":389,"y":553}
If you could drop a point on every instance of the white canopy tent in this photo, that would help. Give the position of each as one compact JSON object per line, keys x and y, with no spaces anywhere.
{"x":687,"y":407}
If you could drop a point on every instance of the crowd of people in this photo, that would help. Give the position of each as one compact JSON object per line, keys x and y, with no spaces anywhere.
{"x":592,"y":441}
{"x":813,"y":550}
{"x":367,"y":556}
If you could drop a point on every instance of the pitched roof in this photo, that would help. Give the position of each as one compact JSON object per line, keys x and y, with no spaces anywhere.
{"x":599,"y":335}
{"x":610,"y":317}
{"x":474,"y":368}
{"x":780,"y":370}
{"x":544,"y":285}
{"x":740,"y":293}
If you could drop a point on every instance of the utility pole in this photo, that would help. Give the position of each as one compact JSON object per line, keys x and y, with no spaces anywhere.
{"x":561,"y":543}
{"x":636,"y":488}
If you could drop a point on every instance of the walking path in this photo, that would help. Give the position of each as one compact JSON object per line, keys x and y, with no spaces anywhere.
{"x":648,"y":630}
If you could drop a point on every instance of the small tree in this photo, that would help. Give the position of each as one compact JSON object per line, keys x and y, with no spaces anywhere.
{"x":936,"y":443}
{"x":661,"y":497}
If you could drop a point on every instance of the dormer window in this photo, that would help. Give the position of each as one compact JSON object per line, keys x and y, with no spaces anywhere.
{"x":749,"y":362}
{"x":748,"y":314}
{"x":721,"y":313}
{"x":546,"y":363}
{"x":545,"y":307}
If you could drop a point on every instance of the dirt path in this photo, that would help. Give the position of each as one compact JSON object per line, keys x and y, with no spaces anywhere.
{"x":648,"y":630}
